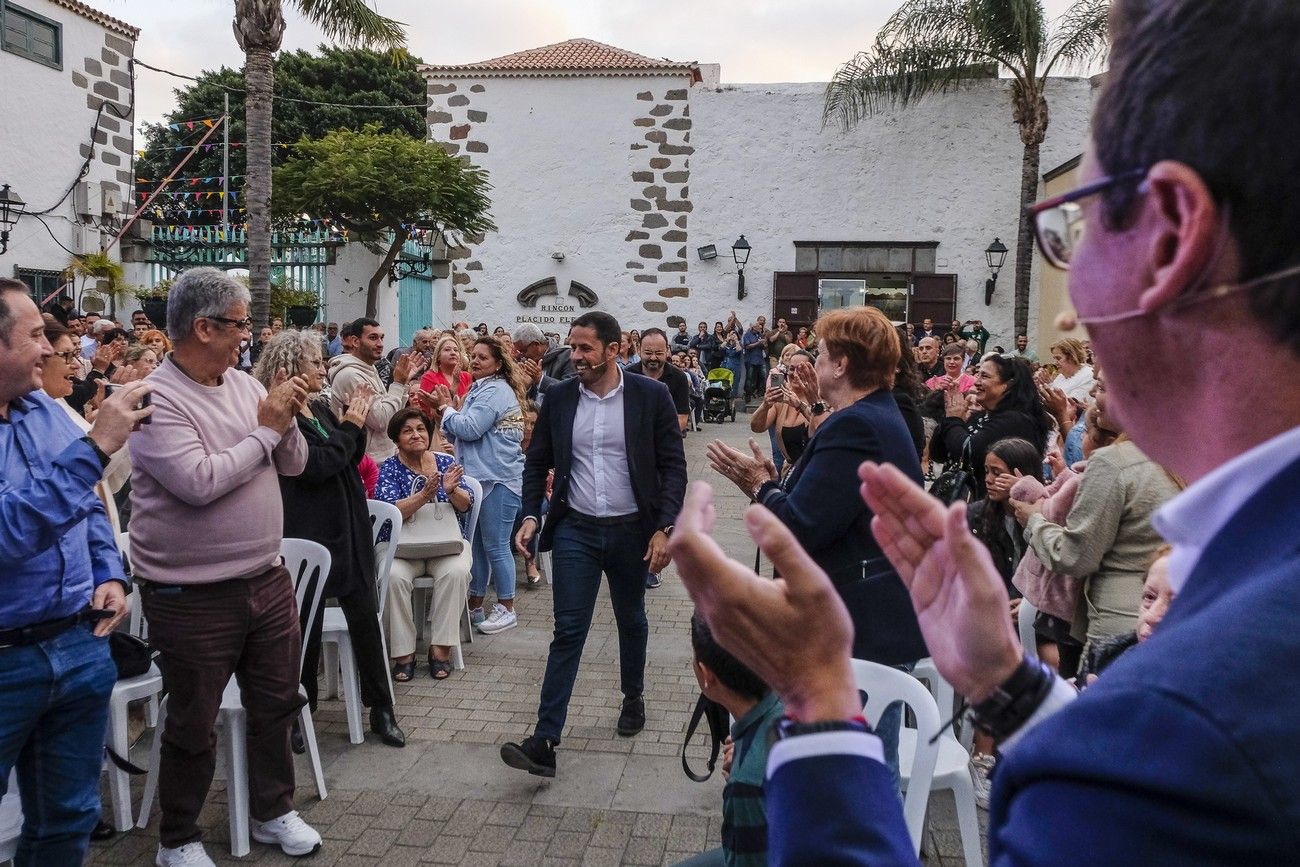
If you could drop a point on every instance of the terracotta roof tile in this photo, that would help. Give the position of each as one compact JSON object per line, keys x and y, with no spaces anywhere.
{"x":571,"y":57}
{"x":108,"y":22}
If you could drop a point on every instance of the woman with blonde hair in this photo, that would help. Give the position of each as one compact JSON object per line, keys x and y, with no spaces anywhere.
{"x":448,"y":367}
{"x":1075,"y":375}
{"x":488,"y":429}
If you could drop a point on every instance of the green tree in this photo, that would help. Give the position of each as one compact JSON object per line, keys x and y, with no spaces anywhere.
{"x":379,"y":186}
{"x":259,"y":27}
{"x":929,"y":46}
{"x":343,"y":76}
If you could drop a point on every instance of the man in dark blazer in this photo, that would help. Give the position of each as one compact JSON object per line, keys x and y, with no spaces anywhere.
{"x":620,"y":473}
{"x":1184,"y":751}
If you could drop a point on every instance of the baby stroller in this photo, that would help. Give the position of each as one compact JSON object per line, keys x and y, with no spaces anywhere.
{"x":717,"y":396}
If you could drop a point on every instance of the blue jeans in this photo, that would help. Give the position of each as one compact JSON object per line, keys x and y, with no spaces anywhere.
{"x":53,"y":713}
{"x":777,"y":458}
{"x":581,"y":551}
{"x":492,"y":552}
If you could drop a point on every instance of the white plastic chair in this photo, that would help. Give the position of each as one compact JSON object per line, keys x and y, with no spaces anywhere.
{"x":422,"y":587}
{"x":1025,"y":622}
{"x":336,"y":641}
{"x":884,"y":686}
{"x":11,"y":819}
{"x":309,"y":565}
{"x":147,"y":685}
{"x":946,"y":698}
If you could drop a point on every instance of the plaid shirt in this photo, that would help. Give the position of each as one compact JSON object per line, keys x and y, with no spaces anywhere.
{"x":744,"y":822}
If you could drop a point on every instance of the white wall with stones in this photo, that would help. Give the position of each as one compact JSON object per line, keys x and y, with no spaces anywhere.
{"x":626,"y":176}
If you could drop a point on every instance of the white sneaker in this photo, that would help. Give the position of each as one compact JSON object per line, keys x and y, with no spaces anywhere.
{"x":290,"y":833}
{"x":189,"y":855}
{"x":499,"y":620}
{"x":476,"y":616}
{"x":980,"y":767}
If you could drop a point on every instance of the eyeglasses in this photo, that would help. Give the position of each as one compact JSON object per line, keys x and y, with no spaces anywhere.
{"x":1058,"y":221}
{"x":241,"y":324}
{"x":69,"y":357}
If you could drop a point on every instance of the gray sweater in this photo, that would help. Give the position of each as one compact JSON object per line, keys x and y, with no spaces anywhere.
{"x":1107,"y":538}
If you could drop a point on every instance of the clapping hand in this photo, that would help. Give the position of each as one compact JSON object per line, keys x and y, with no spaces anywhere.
{"x":532,"y":370}
{"x":286,"y":396}
{"x":958,"y":595}
{"x":1056,"y":461}
{"x":802,"y":381}
{"x":746,"y":471}
{"x":955,"y":403}
{"x":408,"y":367}
{"x":452,"y":477}
{"x":119,"y":414}
{"x":359,"y":406}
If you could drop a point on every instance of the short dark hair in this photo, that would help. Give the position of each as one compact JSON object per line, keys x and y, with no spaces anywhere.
{"x":606,"y":327}
{"x":54,"y":330}
{"x":6,"y":312}
{"x":402,"y":416}
{"x":359,"y":325}
{"x":954,"y":349}
{"x":1188,"y":81}
{"x":113,"y":334}
{"x":730,"y":671}
{"x":650,"y":332}
{"x":1022,"y":395}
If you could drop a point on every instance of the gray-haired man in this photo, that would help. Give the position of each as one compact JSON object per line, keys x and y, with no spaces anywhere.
{"x":544,"y":365}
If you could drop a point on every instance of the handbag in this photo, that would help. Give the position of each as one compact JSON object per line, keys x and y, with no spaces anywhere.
{"x":957,"y":483}
{"x":719,"y":728}
{"x":131,"y":654}
{"x":433,"y":531}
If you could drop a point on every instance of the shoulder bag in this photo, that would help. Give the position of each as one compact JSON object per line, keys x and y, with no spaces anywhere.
{"x":433,"y":531}
{"x":719,"y":728}
{"x":958,"y":482}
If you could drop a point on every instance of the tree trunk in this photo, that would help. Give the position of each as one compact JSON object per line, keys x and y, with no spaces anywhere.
{"x":259,"y":26}
{"x":381,"y":274}
{"x":1025,"y":236}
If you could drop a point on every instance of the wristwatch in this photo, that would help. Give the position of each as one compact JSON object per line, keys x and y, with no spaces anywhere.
{"x":1015,"y":699}
{"x":818,"y":408}
{"x":99,"y":453}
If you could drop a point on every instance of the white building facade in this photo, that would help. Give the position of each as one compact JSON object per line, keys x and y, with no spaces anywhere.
{"x":610,"y":170}
{"x":67,"y":100}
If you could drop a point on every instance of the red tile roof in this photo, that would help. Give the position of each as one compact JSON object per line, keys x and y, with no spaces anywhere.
{"x":108,"y":22}
{"x":573,"y":57}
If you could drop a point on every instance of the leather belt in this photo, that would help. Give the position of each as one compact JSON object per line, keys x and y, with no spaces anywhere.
{"x":38,"y":632}
{"x":616,"y":520}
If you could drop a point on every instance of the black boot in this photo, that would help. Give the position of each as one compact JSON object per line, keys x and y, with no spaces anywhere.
{"x":535,"y":755}
{"x":632,"y":719}
{"x":384,"y":724}
{"x":296,"y":742}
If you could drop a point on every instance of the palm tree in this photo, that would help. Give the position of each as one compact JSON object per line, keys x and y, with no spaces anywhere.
{"x":929,"y":46}
{"x":259,"y":26}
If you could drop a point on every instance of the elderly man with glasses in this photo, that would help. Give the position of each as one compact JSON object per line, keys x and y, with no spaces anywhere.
{"x":205,"y":543}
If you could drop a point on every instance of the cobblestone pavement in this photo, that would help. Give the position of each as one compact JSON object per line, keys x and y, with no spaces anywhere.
{"x":447,"y":798}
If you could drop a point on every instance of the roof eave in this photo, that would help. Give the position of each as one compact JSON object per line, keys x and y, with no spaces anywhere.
{"x":693,"y":70}
{"x":108,"y":22}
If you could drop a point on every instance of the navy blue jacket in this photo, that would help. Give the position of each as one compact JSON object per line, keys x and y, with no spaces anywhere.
{"x":821,"y":505}
{"x":655,"y":457}
{"x":1184,"y":752}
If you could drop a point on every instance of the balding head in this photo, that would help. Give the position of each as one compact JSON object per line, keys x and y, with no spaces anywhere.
{"x":928,"y":349}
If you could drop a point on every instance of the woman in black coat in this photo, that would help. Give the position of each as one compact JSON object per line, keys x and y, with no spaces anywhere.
{"x":1010,"y":407}
{"x":326,"y":503}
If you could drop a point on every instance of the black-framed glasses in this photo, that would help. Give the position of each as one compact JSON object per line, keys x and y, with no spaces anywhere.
{"x":1058,"y":221}
{"x":69,"y":357}
{"x":241,"y":324}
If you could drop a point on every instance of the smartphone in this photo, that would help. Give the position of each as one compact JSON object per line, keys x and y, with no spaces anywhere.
{"x":147,"y":400}
{"x":777,"y":381}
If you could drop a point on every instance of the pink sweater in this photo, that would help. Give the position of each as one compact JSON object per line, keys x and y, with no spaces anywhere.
{"x":205,"y":497}
{"x":1048,"y":591}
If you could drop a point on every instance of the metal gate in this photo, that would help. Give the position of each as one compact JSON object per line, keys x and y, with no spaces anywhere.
{"x":414,"y":299}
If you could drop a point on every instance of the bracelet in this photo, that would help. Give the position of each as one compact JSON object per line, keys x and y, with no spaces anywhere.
{"x":1015,"y":699}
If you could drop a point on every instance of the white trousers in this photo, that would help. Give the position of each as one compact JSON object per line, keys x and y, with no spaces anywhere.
{"x":450,"y":582}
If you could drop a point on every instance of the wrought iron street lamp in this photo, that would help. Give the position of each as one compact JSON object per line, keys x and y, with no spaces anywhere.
{"x":740,"y":252}
{"x":405,"y":265}
{"x":11,"y":208}
{"x":996,"y":256}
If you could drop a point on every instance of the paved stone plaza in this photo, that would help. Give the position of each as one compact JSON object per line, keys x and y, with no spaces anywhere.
{"x":447,"y":798}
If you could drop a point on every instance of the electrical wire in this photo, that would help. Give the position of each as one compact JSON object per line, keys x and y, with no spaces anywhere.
{"x":274,"y":96}
{"x":85,"y":166}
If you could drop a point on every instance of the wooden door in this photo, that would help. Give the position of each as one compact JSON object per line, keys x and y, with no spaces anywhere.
{"x":794,"y":298}
{"x":934,"y":296}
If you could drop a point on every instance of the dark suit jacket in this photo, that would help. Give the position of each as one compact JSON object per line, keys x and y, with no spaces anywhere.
{"x":821,"y":506}
{"x":1184,"y":752}
{"x":655,"y":457}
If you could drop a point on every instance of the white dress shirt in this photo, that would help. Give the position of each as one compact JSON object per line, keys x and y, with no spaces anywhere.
{"x":599,"y":482}
{"x":1190,"y":520}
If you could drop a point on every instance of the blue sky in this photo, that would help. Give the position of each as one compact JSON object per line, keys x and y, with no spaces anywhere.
{"x":754,"y":40}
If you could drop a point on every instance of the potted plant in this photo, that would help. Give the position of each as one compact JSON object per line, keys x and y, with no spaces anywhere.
{"x":301,"y":306}
{"x":153,"y":301}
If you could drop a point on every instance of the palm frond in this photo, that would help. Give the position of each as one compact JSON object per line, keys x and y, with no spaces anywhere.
{"x":927,"y":46}
{"x":353,"y":23}
{"x":1017,"y":28}
{"x":1079,"y":37}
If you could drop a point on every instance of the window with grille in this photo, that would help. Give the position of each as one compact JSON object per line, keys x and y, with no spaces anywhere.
{"x":30,"y":35}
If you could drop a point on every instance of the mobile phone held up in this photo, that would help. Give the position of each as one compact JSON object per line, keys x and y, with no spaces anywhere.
{"x":147,"y":400}
{"x":777,"y":380}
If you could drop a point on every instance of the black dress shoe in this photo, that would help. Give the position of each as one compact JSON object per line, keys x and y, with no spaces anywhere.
{"x":103,"y":831}
{"x":296,"y":742}
{"x":632,"y":719}
{"x":384,"y":724}
{"x":535,"y":755}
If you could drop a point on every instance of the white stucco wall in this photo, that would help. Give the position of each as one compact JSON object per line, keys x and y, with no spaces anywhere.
{"x":44,"y":139}
{"x":559,"y":154}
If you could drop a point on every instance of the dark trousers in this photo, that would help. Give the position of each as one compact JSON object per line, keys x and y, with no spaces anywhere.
{"x":755,"y":379}
{"x":53,"y":712}
{"x":205,"y":633}
{"x":582,"y":551}
{"x":360,"y":612}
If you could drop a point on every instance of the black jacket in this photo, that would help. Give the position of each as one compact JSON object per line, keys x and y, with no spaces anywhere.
{"x":655,"y":457}
{"x":983,"y":430}
{"x":327,"y":502}
{"x":821,"y":506}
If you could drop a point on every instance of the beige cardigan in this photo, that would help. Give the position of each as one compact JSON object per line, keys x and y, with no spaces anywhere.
{"x":1107,"y":537}
{"x":115,"y":475}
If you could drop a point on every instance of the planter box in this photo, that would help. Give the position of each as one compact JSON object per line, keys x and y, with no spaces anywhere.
{"x":301,"y":317}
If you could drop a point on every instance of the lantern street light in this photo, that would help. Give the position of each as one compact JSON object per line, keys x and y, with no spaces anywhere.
{"x":404,"y":265}
{"x":740,"y":252}
{"x":11,"y":208}
{"x":996,"y":256}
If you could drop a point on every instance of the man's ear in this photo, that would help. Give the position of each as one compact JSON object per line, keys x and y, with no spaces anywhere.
{"x":1183,"y":222}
